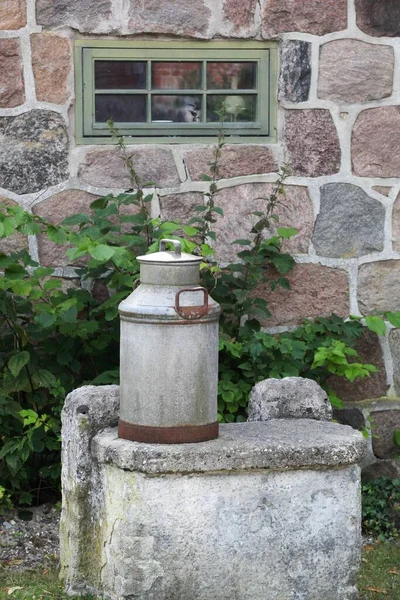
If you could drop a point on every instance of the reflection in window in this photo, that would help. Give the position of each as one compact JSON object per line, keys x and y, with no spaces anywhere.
{"x":231,"y":75}
{"x":125,"y":108}
{"x":176,"y":75}
{"x":119,"y":75}
{"x":176,"y":109}
{"x":236,"y":108}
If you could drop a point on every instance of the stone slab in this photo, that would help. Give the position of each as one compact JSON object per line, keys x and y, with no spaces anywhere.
{"x":276,"y":444}
{"x":191,"y":18}
{"x":379,"y":287}
{"x":312,"y":142}
{"x":51,"y":62}
{"x":384,"y":423}
{"x":12,"y":90}
{"x":380,"y":18}
{"x":295,"y":74}
{"x":309,"y":16}
{"x":12,"y":14}
{"x":396,"y":225}
{"x":90,"y":16}
{"x":350,"y":223}
{"x":376,"y":142}
{"x":34,"y":151}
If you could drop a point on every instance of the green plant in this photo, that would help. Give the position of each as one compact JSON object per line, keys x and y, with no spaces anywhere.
{"x":381,"y":507}
{"x":57,"y":335}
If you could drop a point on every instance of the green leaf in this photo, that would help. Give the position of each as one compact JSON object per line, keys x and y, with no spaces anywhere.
{"x":100,"y":203}
{"x":21,"y":287}
{"x":57,"y":235}
{"x":396,"y":437}
{"x":18,"y":362}
{"x":218,"y":210}
{"x":376,"y":324}
{"x":101,"y":252}
{"x":46,"y":319}
{"x":287,"y":232}
{"x":8,"y":227}
{"x":77,"y":219}
{"x":242,"y":242}
{"x":29,"y":417}
{"x":206,"y":178}
{"x":393,"y":318}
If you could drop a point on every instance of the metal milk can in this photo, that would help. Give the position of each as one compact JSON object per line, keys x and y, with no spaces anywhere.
{"x":169,"y":353}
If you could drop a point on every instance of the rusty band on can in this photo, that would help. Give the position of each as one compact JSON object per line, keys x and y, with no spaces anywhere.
{"x":185,"y":434}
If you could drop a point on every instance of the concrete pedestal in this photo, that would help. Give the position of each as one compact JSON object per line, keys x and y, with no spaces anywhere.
{"x":269,"y":511}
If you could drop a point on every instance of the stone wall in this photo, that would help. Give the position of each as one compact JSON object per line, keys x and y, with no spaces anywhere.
{"x":339,"y":127}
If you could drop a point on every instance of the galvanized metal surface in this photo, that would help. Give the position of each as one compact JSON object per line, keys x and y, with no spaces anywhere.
{"x":169,"y":353}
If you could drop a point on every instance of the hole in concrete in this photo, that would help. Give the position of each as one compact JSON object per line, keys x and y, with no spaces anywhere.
{"x":82,"y":410}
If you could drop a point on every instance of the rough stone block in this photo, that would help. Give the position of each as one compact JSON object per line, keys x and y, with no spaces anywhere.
{"x":379,"y":19}
{"x":295,"y":75}
{"x":51,"y":62}
{"x":15,"y":242}
{"x":235,"y":161}
{"x":309,"y":16}
{"x":174,"y":17}
{"x":34,"y":151}
{"x":240,"y":14}
{"x":382,"y":189}
{"x":55,"y":209}
{"x":384,"y":423}
{"x":12,"y":14}
{"x":354,"y":71}
{"x":379,"y":287}
{"x":349,"y":224}
{"x":238,"y":204}
{"x":289,"y":398}
{"x":381,"y":468}
{"x":180,"y":206}
{"x":312,"y":142}
{"x":91,"y":16}
{"x":396,"y":225}
{"x":12,"y":91}
{"x":104,"y":167}
{"x":315,"y":291}
{"x":376,"y":142}
{"x":350,"y":415}
{"x":394,"y":341}
{"x":375,"y":385}
{"x":158,"y":521}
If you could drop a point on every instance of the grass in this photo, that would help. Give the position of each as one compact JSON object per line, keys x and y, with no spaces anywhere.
{"x":379,"y":578}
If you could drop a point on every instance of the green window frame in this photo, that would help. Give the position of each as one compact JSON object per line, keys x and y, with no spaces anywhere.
{"x":263,"y":93}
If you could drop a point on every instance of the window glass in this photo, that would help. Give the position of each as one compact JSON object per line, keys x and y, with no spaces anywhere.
{"x":119,"y":75}
{"x":176,"y":75}
{"x":176,"y":109}
{"x":231,"y":75}
{"x":237,"y":109}
{"x":124,"y":108}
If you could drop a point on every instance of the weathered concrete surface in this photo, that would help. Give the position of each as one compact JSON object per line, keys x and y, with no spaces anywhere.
{"x":378,"y":18}
{"x":176,"y":17}
{"x":34,"y":151}
{"x":295,"y":75}
{"x":86,"y":411}
{"x":12,"y":14}
{"x":51,"y":63}
{"x":238,"y":204}
{"x":289,"y":398}
{"x":12,"y":91}
{"x":379,"y":287}
{"x":349,"y":224}
{"x":312,"y":142}
{"x":310,"y":16}
{"x":104,"y":167}
{"x":354,"y":71}
{"x":154,"y":521}
{"x":276,"y":444}
{"x":376,"y":142}
{"x":235,"y":161}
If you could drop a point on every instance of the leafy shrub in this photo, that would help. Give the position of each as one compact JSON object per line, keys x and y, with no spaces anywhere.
{"x":381,"y":508}
{"x":57,"y":336}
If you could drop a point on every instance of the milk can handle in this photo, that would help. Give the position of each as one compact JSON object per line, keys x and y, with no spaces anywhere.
{"x":177,"y":246}
{"x":190,"y":313}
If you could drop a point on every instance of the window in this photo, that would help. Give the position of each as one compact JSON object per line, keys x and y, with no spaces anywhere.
{"x":172,"y":92}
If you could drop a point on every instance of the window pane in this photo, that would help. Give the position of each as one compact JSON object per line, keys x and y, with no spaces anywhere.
{"x":122,"y":108}
{"x":231,"y":75}
{"x":236,"y":108}
{"x":176,"y":75}
{"x":120,"y":75}
{"x":176,"y":109}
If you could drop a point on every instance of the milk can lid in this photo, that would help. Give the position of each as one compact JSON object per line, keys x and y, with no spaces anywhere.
{"x":165,"y":256}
